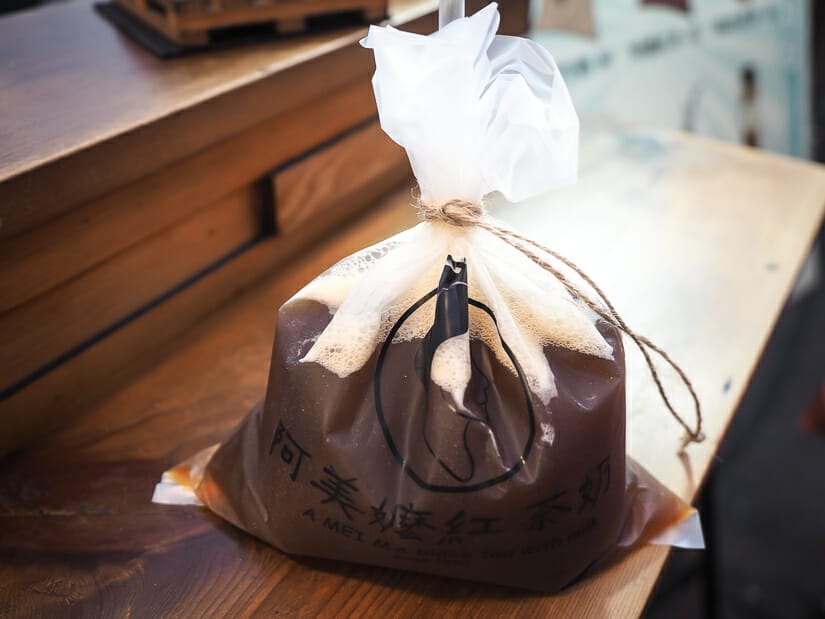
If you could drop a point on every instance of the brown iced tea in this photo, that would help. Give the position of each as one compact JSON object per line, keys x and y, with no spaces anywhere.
{"x":383,"y":467}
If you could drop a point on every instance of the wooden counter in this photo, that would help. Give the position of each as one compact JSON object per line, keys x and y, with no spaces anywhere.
{"x":698,"y":245}
{"x":85,"y":109}
{"x":129,"y":185}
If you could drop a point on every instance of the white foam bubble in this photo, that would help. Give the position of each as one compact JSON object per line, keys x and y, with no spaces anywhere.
{"x":335,"y":284}
{"x":369,"y":291}
{"x":548,"y":433}
{"x":539,"y":303}
{"x":451,"y":367}
{"x":346,"y":344}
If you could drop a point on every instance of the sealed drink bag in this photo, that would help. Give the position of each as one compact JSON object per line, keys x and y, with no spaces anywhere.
{"x":451,"y":400}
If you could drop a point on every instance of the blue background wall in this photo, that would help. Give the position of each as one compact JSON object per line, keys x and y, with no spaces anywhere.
{"x":657,"y":66}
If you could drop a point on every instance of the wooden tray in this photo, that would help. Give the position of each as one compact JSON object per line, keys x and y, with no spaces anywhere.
{"x":191,"y":22}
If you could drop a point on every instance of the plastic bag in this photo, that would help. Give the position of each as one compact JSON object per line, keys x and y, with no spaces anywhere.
{"x":438,"y":402}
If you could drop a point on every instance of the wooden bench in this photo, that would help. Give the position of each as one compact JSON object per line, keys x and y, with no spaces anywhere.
{"x":138,"y":195}
{"x":190,"y":22}
{"x":698,"y":244}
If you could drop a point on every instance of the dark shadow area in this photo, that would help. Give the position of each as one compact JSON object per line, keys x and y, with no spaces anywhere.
{"x":764,"y":505}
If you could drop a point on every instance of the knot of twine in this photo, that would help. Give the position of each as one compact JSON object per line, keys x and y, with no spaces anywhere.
{"x":463,"y":213}
{"x":454,"y":212}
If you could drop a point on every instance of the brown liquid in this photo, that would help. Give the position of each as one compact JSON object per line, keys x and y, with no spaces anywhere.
{"x":479,"y":496}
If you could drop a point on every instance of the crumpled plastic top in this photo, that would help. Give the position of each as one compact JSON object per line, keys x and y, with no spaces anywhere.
{"x":476,"y":112}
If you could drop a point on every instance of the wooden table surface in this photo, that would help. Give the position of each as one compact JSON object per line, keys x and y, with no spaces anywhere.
{"x":85,"y":110}
{"x":698,"y":244}
{"x":91,"y":82}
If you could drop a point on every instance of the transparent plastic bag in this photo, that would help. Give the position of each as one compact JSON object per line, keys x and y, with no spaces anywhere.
{"x":439,"y":402}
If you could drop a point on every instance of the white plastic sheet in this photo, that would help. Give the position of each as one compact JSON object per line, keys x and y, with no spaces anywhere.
{"x":476,"y":112}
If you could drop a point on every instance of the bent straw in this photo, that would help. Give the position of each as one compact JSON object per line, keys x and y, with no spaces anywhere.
{"x":449,"y":10}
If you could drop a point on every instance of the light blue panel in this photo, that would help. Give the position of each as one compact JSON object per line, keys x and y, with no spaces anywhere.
{"x":655,"y":66}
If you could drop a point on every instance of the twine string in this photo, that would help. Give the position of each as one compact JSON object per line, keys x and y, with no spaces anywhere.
{"x":463,"y":213}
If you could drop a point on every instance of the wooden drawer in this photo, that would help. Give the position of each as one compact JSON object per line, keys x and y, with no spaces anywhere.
{"x":141,"y":201}
{"x":362,"y":162}
{"x":60,"y":310}
{"x":34,"y":262}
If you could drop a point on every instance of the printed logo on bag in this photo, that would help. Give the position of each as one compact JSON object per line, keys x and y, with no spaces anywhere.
{"x":457,"y":440}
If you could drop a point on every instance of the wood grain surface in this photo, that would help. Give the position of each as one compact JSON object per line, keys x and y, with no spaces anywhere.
{"x":697,"y":244}
{"x":92,"y":111}
{"x":308,"y":189}
{"x":36,"y":261}
{"x":91,"y":372}
{"x":179,"y":21}
{"x":66,"y":316}
{"x":95,"y":370}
